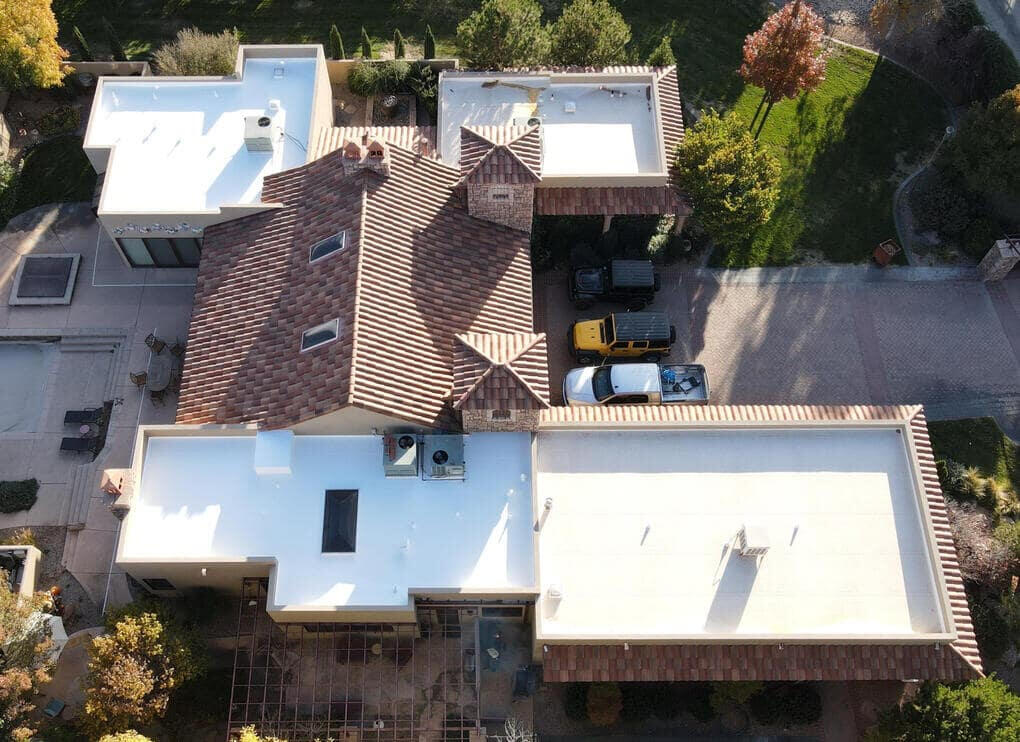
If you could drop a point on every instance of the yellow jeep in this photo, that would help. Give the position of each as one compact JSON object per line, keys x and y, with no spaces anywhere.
{"x":645,"y":335}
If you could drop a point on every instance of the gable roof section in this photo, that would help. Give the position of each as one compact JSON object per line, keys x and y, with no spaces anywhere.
{"x":417,"y":270}
{"x":500,"y":371}
{"x":500,"y":154}
{"x":959,"y":660}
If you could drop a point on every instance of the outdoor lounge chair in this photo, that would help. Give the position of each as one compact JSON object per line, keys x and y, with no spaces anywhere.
{"x":80,"y":445}
{"x":83,"y":417}
{"x":155,"y":343}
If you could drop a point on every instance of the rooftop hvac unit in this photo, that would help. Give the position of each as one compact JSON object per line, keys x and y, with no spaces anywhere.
{"x":753,"y":541}
{"x":258,"y":133}
{"x":400,"y":456}
{"x":443,"y":457}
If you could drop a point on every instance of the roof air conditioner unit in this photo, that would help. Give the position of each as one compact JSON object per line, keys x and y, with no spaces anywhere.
{"x":443,"y":457}
{"x":400,"y":456}
{"x":258,"y":133}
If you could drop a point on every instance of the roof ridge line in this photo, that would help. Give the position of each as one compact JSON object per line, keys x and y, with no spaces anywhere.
{"x":355,"y":324}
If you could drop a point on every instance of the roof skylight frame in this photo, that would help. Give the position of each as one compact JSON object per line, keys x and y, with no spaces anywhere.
{"x":341,"y":236}
{"x":332,"y":326}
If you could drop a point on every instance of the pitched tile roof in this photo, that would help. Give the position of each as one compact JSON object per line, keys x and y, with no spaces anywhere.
{"x":418,"y":139}
{"x":409,"y":280}
{"x":959,"y":660}
{"x":500,"y":371}
{"x":608,"y":200}
{"x":500,"y":154}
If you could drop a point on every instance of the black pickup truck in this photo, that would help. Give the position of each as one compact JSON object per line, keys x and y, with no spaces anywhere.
{"x":629,"y":282}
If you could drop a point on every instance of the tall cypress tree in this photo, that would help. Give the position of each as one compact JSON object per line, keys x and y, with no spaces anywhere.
{"x":398,"y":45}
{"x":336,"y":43}
{"x":430,"y":43}
{"x":366,"y":44}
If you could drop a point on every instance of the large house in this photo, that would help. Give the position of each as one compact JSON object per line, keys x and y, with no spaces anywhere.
{"x":365,"y":438}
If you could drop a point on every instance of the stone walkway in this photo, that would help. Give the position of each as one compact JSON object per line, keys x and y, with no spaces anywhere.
{"x":835,"y":335}
{"x":101,"y":337}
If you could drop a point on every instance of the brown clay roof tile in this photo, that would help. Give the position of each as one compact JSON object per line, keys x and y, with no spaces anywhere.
{"x":500,"y":371}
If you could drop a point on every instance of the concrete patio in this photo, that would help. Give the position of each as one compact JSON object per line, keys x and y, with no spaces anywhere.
{"x":92,"y":345}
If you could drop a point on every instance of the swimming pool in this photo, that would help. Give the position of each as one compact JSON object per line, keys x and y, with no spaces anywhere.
{"x":23,"y":372}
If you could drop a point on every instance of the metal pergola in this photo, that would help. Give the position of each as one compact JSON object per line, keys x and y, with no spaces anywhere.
{"x":352,"y":682}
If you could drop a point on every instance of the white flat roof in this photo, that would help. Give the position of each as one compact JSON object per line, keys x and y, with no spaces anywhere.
{"x":612,"y":130}
{"x":179,"y":144}
{"x":640,"y":537}
{"x":199,"y":498}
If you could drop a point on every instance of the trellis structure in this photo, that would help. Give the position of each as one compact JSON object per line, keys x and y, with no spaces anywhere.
{"x":352,"y":682}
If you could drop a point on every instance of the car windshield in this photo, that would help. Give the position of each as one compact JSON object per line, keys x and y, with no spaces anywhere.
{"x":601,"y":384}
{"x":610,"y":329}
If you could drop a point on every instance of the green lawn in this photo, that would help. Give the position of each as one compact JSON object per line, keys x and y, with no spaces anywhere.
{"x":56,"y":170}
{"x":840,"y":147}
{"x":978,"y":442}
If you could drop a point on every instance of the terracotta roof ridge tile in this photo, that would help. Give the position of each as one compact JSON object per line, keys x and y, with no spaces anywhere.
{"x":498,"y":148}
{"x":356,"y":322}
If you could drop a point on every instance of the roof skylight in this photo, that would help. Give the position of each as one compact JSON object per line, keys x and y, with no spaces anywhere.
{"x":325,"y":248}
{"x":327,"y":332}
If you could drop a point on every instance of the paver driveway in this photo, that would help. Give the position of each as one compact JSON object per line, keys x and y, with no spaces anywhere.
{"x":834,"y":336}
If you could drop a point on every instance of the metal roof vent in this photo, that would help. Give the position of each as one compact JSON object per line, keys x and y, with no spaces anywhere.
{"x":753,"y":541}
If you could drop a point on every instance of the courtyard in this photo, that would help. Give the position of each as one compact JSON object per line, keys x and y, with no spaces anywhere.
{"x":78,"y":356}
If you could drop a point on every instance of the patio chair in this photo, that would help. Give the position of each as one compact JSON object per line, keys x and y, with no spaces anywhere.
{"x":155,"y":344}
{"x":83,"y":417}
{"x":178,"y":348}
{"x":80,"y":445}
{"x":158,"y":398}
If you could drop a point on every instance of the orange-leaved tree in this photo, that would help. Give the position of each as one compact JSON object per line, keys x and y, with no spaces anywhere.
{"x":30,"y":56}
{"x":784,"y":56}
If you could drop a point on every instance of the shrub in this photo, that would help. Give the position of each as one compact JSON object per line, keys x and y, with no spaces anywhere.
{"x":1008,"y":534}
{"x":503,"y":33}
{"x":84,"y":50}
{"x":727,"y":695}
{"x":575,"y":702}
{"x":961,"y":16}
{"x":604,"y":703}
{"x":990,"y":628}
{"x":363,"y":79}
{"x":399,"y":52}
{"x":638,"y":701}
{"x":430,"y":43}
{"x":694,"y":698}
{"x":23,"y":537}
{"x":134,"y":669}
{"x":8,"y":191}
{"x":60,"y":120}
{"x":116,"y":48}
{"x":786,"y":704}
{"x":986,"y":151}
{"x":393,"y":76}
{"x":366,"y":44}
{"x":984,"y":710}
{"x":980,"y":235}
{"x":18,"y":495}
{"x":952,"y":475}
{"x":987,"y":68}
{"x":424,"y":83}
{"x":26,"y":659}
{"x":197,"y":53}
{"x":662,"y":55}
{"x":984,"y":559}
{"x":336,"y":43}
{"x":940,"y":202}
{"x":129,"y":736}
{"x":590,"y":33}
{"x":248,"y":734}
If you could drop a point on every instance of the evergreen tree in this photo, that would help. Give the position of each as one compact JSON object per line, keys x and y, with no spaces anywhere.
{"x":336,"y":43}
{"x":430,"y":43}
{"x":366,"y":44}
{"x":662,"y":55}
{"x":398,"y":45}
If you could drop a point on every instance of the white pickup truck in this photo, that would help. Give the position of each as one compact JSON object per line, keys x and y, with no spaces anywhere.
{"x":636,"y":383}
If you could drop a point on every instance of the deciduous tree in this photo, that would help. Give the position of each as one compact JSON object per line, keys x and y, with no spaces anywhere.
{"x":24,"y":663}
{"x":30,"y":56}
{"x":134,"y":668}
{"x":589,"y":33}
{"x":503,"y":33}
{"x":784,"y":57}
{"x":733,"y":181}
{"x":987,"y":149}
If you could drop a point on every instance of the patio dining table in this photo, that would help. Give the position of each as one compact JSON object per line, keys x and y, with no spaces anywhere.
{"x":160,"y":367}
